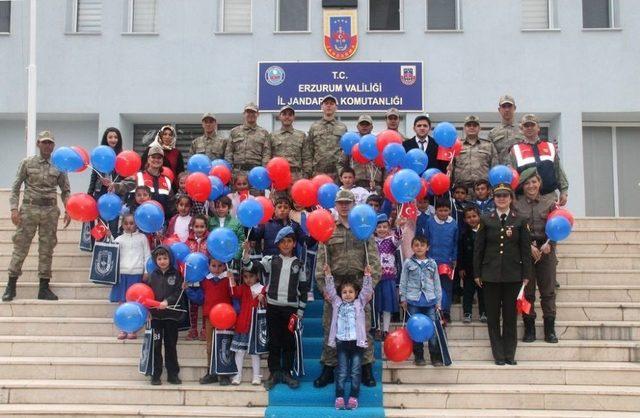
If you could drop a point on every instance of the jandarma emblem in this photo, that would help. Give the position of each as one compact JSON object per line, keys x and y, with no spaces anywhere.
{"x":340,"y":33}
{"x":274,"y":75}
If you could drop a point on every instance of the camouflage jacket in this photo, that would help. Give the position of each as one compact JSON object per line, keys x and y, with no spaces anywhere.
{"x":503,"y":138}
{"x":474,"y":162}
{"x":535,"y":211}
{"x":248,"y":147}
{"x":324,"y":143}
{"x":291,"y":144}
{"x":40,"y":180}
{"x":212,"y":146}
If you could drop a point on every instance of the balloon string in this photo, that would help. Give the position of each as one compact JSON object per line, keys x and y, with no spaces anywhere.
{"x":97,"y":172}
{"x":181,"y":292}
{"x":366,"y":252}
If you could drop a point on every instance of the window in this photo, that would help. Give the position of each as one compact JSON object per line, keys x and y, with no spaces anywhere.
{"x":88,"y":16}
{"x":598,"y":14}
{"x":5,"y":16}
{"x":142,"y":16}
{"x":235,"y":16}
{"x":443,"y":15}
{"x":536,"y":14}
{"x":292,"y":16}
{"x":385,"y":15}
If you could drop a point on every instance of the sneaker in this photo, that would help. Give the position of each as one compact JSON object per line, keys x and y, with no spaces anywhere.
{"x":174,"y":380}
{"x":256,"y":381}
{"x":353,"y":403}
{"x":236,"y":380}
{"x":271,"y":381}
{"x":192,"y":335}
{"x":224,"y":380}
{"x":132,"y":336}
{"x":483,"y":318}
{"x":290,"y":381}
{"x":420,"y":362}
{"x":155,"y":381}
{"x":122,"y":335}
{"x":208,"y":379}
{"x":467,"y":318}
{"x":340,"y":403}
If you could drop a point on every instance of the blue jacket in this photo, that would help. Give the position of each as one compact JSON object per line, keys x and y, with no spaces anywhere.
{"x":266,"y":233}
{"x":443,"y":240}
{"x":485,"y":207}
{"x":416,"y":278}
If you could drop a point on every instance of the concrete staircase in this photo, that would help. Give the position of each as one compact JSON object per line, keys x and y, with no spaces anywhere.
{"x":62,"y":358}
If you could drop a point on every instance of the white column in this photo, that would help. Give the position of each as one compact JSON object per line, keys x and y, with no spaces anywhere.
{"x":32,"y":82}
{"x":567,"y":127}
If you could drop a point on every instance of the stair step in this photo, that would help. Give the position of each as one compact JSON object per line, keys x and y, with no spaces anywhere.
{"x":539,"y":397}
{"x":77,"y":259}
{"x":598,"y":247}
{"x":71,"y":233}
{"x":604,"y":234}
{"x":110,"y":410}
{"x":65,"y":291}
{"x":611,"y":222}
{"x":597,"y":276}
{"x":597,"y":261}
{"x":502,"y":413}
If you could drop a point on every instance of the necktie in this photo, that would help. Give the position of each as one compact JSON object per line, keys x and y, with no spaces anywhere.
{"x":422,"y":142}
{"x":503,"y":218}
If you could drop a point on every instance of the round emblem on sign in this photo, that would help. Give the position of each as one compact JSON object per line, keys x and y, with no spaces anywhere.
{"x":274,"y":75}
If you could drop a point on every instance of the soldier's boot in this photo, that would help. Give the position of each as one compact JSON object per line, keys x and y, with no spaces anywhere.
{"x":44,"y":292}
{"x":550,"y":331}
{"x":326,"y":377}
{"x":529,"y":329}
{"x":10,"y":291}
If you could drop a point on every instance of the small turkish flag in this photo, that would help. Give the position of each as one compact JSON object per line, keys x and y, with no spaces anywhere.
{"x":243,"y":195}
{"x":523,"y":306}
{"x":445,"y":154}
{"x":409,"y":211}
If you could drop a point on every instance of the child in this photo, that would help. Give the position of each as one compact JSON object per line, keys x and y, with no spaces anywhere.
{"x":264,"y":235}
{"x":467,"y":242}
{"x":197,"y":243}
{"x":240,"y":193}
{"x":483,"y":201}
{"x":305,"y":251}
{"x":134,"y":252}
{"x":251,"y":295}
{"x":375,"y":202}
{"x":348,"y":180}
{"x":217,"y":289}
{"x":179,"y":223}
{"x":221,"y":217}
{"x":420,"y":292}
{"x":197,"y":208}
{"x":141,"y":194}
{"x":286,"y":299}
{"x":442,"y":233}
{"x":347,"y":333}
{"x":386,"y":301}
{"x":166,"y":283}
{"x":460,"y":203}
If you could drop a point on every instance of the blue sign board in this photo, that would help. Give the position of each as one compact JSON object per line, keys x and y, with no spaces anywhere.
{"x":357,"y":86}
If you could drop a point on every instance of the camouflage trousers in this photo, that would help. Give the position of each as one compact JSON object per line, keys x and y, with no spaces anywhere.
{"x":544,"y":278}
{"x":43,"y":219}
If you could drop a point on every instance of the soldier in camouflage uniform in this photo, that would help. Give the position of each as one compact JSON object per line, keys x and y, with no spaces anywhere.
{"x":324,"y":141}
{"x":476,"y":158}
{"x":291,"y":144}
{"x":363,"y":171}
{"x":508,"y":133}
{"x":347,"y":258}
{"x":249,"y":145}
{"x":210,"y":144}
{"x":392,"y":119}
{"x":39,"y":212}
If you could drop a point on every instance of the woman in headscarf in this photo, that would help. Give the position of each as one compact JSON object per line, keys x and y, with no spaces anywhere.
{"x":166,"y":138}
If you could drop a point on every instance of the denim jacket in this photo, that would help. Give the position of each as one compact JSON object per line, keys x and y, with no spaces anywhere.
{"x":416,"y":278}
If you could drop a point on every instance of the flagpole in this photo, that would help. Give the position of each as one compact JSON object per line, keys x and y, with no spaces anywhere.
{"x":31,"y":82}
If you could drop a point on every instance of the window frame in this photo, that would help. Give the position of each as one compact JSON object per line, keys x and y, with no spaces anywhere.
{"x":552,"y":19}
{"x":458,"y":14}
{"x":277,"y":29}
{"x":614,"y":19}
{"x":3,"y":33}
{"x":221,"y":30}
{"x":401,"y":17}
{"x":74,"y":17}
{"x":130,"y":18}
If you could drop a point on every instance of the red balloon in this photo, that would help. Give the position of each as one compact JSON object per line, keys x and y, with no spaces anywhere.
{"x":516,"y":179}
{"x":386,"y":189}
{"x":440,"y":184}
{"x":282,"y":183}
{"x":398,"y":345}
{"x":423,"y":190}
{"x":387,"y":137}
{"x":82,"y":207}
{"x":321,"y":180}
{"x":166,"y":171}
{"x":457,"y":147}
{"x":84,"y":154}
{"x":98,"y":232}
{"x":562,"y":212}
{"x":278,"y":169}
{"x":222,"y":172}
{"x":138,"y":292}
{"x":267,"y":207}
{"x":357,"y":155}
{"x":320,"y":224}
{"x":198,"y":186}
{"x":128,"y":163}
{"x":168,"y":241}
{"x":379,"y":161}
{"x":304,"y":193}
{"x":222,"y":316}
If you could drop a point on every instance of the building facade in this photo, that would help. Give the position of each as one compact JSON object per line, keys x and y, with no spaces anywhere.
{"x":138,"y":64}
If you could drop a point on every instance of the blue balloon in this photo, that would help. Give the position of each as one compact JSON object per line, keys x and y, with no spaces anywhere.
{"x":222,"y":244}
{"x":250,"y":212}
{"x":416,"y":160}
{"x":500,"y":174}
{"x":405,"y":185}
{"x":217,"y":188}
{"x":103,"y":158}
{"x":109,"y":206}
{"x":368,"y":147}
{"x":327,"y":195}
{"x":180,"y":251}
{"x":362,"y":221}
{"x":220,"y":161}
{"x":557,"y":228}
{"x":445,"y":134}
{"x":199,"y":163}
{"x":259,"y":178}
{"x":150,"y":265}
{"x":348,"y":141}
{"x":394,"y":155}
{"x":66,"y":159}
{"x":149,"y":218}
{"x":430,"y":173}
{"x":226,"y":190}
{"x":130,"y":316}
{"x":420,"y":327}
{"x":196,"y":267}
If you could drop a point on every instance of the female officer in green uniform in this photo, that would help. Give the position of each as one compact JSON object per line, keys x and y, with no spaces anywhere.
{"x":502,"y":262}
